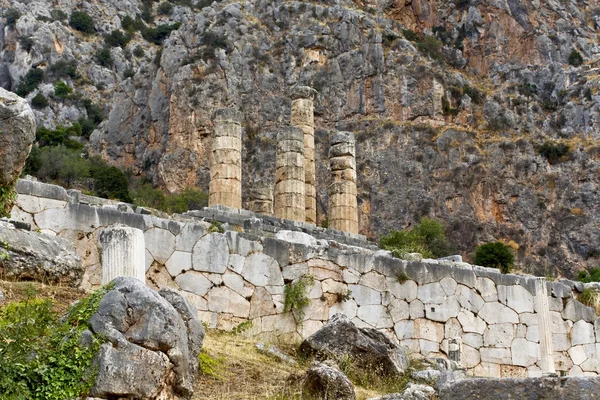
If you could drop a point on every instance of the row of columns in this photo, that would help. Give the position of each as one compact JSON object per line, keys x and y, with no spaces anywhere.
{"x":295,"y":194}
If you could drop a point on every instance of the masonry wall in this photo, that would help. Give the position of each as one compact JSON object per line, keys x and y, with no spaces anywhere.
{"x":234,"y":277}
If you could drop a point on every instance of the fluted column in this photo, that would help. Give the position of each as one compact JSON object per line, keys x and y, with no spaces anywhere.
{"x":225,"y":186}
{"x":289,"y":175}
{"x":123,"y":253}
{"x":343,"y":207}
{"x":302,"y":117}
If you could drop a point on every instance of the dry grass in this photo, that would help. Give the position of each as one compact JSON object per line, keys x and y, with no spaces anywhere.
{"x":62,"y":296}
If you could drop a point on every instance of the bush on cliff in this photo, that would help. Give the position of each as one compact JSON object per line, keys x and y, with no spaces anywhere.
{"x":495,"y":255}
{"x":82,"y":22}
{"x":585,"y":276}
{"x":427,"y":238}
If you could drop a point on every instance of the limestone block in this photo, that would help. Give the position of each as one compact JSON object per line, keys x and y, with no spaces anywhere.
{"x":123,"y":253}
{"x":534,"y":372}
{"x":529,"y":319}
{"x":198,"y":302}
{"x":577,"y":354}
{"x":498,"y":335}
{"x":533,"y":333}
{"x":224,"y":300}
{"x":238,"y":244}
{"x":374,"y":280}
{"x":592,"y":364}
{"x":376,"y":316}
{"x":560,"y":342}
{"x":179,"y":262}
{"x":211,"y":253}
{"x":295,"y":271}
{"x":516,"y":297}
{"x":278,"y":289}
{"x":331,"y":286}
{"x":348,"y":307}
{"x":350,"y":276}
{"x":495,"y":355}
{"x":469,"y":299}
{"x":309,"y":327}
{"x":428,"y":347}
{"x":469,"y":357}
{"x":487,"y":289}
{"x":487,"y":369}
{"x":521,"y":331}
{"x":261,"y":303}
{"x":315,"y":291}
{"x":429,"y":330}
{"x":262,"y":270}
{"x":404,"y":329}
{"x":342,"y":208}
{"x":575,"y":311}
{"x":364,"y":296}
{"x":575,"y":371}
{"x":194,"y":282}
{"x":406,"y":291}
{"x":236,"y":283}
{"x":453,"y":329}
{"x":558,"y":324}
{"x":148,"y":260}
{"x":322,"y":272}
{"x":512,"y":371}
{"x":431,"y":293}
{"x":475,"y":340}
{"x":471,"y":323}
{"x":236,"y":263}
{"x":554,"y":304}
{"x":417,"y":309}
{"x":189,"y":235}
{"x":443,"y":312}
{"x":449,"y":286}
{"x":582,"y":333}
{"x":399,"y":310}
{"x":160,"y":243}
{"x":496,"y":313}
{"x":524,"y":352}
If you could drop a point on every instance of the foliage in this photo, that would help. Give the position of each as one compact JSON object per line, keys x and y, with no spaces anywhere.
{"x":164,"y":8}
{"x":39,"y":101}
{"x":410,"y":35}
{"x":110,"y":182}
{"x":296,"y":295}
{"x":590,"y":298}
{"x":160,"y":33}
{"x":553,"y":152}
{"x":575,"y":58}
{"x":145,"y":195}
{"x":495,"y":255}
{"x":216,"y":227}
{"x":64,"y":69}
{"x":82,"y":22}
{"x":57,"y":164}
{"x":58,"y":15}
{"x":128,"y":24}
{"x":26,"y":42}
{"x":208,"y":365}
{"x":8,"y":196}
{"x":593,"y":275}
{"x":104,"y":58}
{"x":431,"y":46}
{"x":147,"y":12}
{"x":427,"y":238}
{"x":11,"y":15}
{"x":117,"y":38}
{"x":4,"y":248}
{"x":41,"y":355}
{"x":211,"y":42}
{"x":373,"y":377}
{"x":242,"y":327}
{"x":59,"y":136}
{"x":138,"y":51}
{"x":62,"y":90}
{"x":30,"y":81}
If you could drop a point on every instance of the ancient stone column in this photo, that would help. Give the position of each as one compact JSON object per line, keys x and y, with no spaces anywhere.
{"x":261,"y":198}
{"x":289,"y":175}
{"x":544,"y":326}
{"x":225,"y":186}
{"x":343,"y":208}
{"x":123,"y":253}
{"x":303,"y":117}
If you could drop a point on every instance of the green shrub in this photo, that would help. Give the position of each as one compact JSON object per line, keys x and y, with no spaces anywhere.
{"x":62,"y":90}
{"x":110,"y":183}
{"x":211,"y":42}
{"x":128,"y":24}
{"x":427,"y":238}
{"x":11,"y":15}
{"x":58,"y":15}
{"x":164,"y":8}
{"x":160,"y":33}
{"x":147,"y":12}
{"x":39,"y":101}
{"x":104,"y":58}
{"x":410,"y":35}
{"x":41,"y":355}
{"x":208,"y":365}
{"x":58,"y":164}
{"x":495,"y":255}
{"x":82,"y":22}
{"x":117,"y":39}
{"x":128,"y":73}
{"x":145,"y":195}
{"x":575,"y":58}
{"x":59,"y":136}
{"x":593,"y":275}
{"x":64,"y":69}
{"x":553,"y":152}
{"x":30,"y":81}
{"x":27,"y":43}
{"x":138,"y":51}
{"x":432,"y":47}
{"x":8,"y":196}
{"x":216,"y":227}
{"x":296,"y":295}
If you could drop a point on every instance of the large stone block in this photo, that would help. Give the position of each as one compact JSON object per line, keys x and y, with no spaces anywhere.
{"x":574,"y":311}
{"x":469,"y":299}
{"x":189,"y":236}
{"x":487,"y":289}
{"x":524,"y":353}
{"x":431,"y":293}
{"x":375,"y":315}
{"x":179,"y":262}
{"x":429,"y":330}
{"x":262,"y":270}
{"x":443,"y":312}
{"x":224,"y":300}
{"x":516,"y":297}
{"x":364,"y":296}
{"x":471,"y":322}
{"x":499,"y":335}
{"x":194,"y":282}
{"x":495,"y":355}
{"x":399,"y":310}
{"x":582,"y":333}
{"x":211,"y":254}
{"x":160,"y":243}
{"x":496,"y":313}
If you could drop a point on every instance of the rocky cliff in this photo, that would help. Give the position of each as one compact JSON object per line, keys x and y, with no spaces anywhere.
{"x":450,"y":102}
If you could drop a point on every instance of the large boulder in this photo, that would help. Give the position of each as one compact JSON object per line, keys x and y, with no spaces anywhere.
{"x":35,"y":256}
{"x":154,"y":339}
{"x":326,"y":382}
{"x":412,"y":392}
{"x":17,"y":133}
{"x":341,"y":340}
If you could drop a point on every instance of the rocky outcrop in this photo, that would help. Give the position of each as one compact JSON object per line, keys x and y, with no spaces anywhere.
{"x":39,"y":257}
{"x":366,"y":348}
{"x":412,"y":392}
{"x":326,"y":382}
{"x":571,"y":388}
{"x":154,"y":339}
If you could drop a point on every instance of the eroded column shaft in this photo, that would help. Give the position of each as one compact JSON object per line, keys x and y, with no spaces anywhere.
{"x":123,"y":253}
{"x":225,"y":186}
{"x":302,"y":117}
{"x":289,"y":175}
{"x":343,"y":207}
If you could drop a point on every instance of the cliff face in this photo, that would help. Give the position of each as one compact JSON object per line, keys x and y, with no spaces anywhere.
{"x":448,"y":124}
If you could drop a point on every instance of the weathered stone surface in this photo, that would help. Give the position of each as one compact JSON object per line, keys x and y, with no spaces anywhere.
{"x":154,"y":342}
{"x":487,"y":289}
{"x":471,"y":323}
{"x":123,"y":253}
{"x":343,"y":208}
{"x":429,"y":330}
{"x":496,"y":313}
{"x":35,"y":256}
{"x":443,"y":312}
{"x":375,"y":315}
{"x":367,"y":347}
{"x":516,"y":297}
{"x":431,"y":293}
{"x":17,"y":127}
{"x":224,"y":300}
{"x":567,"y":388}
{"x":160,"y":243}
{"x":328,"y":383}
{"x":412,"y":392}
{"x":495,"y":355}
{"x":498,"y":335}
{"x":262,"y":270}
{"x":364,"y":296}
{"x":211,"y":254}
{"x":242,"y":245}
{"x":524,"y":352}
{"x":582,"y":333}
{"x":575,"y":311}
{"x":194,"y":282}
{"x":179,"y":262}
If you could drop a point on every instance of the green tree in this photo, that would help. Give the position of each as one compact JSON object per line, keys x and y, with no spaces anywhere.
{"x":593,"y":275}
{"x":495,"y":255}
{"x":39,"y":101}
{"x":82,"y":22}
{"x":164,"y":8}
{"x":62,"y":90}
{"x":104,"y":57}
{"x":30,"y":81}
{"x":427,"y":238}
{"x":575,"y":58}
{"x":59,"y":164}
{"x":117,"y":39}
{"x":111,"y":182}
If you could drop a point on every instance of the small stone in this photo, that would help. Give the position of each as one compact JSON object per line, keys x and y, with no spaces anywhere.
{"x":327,"y":383}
